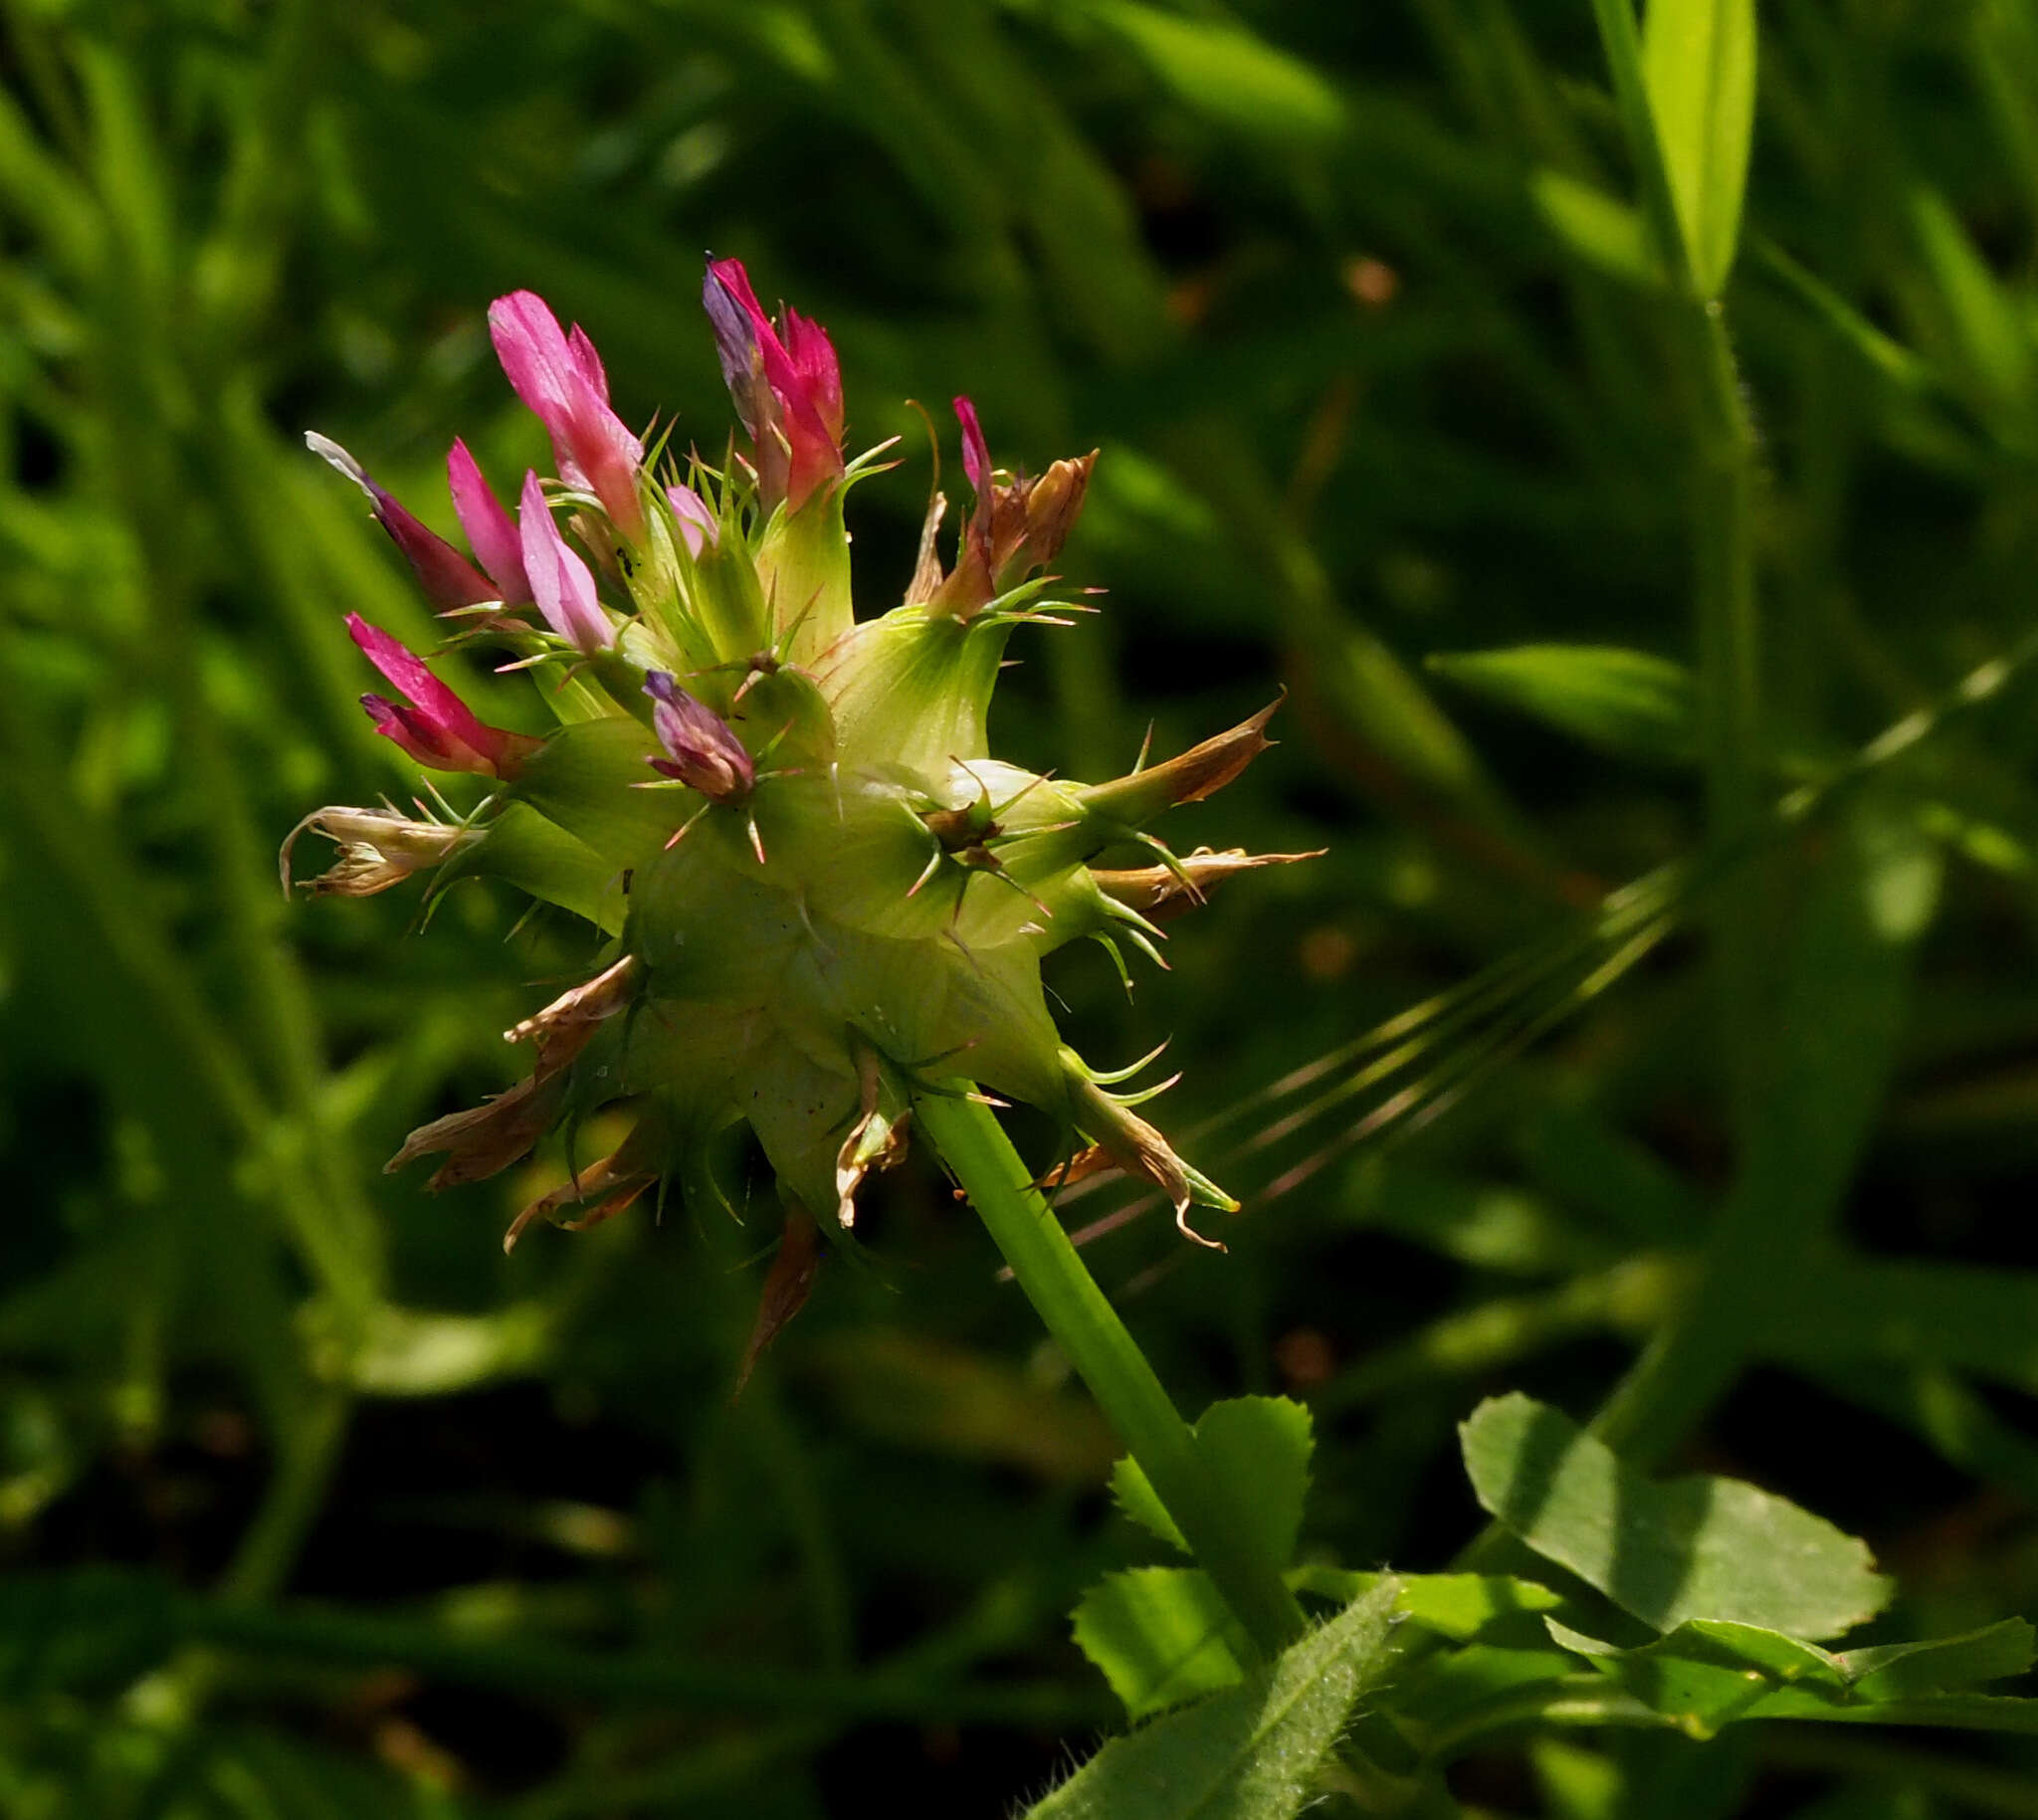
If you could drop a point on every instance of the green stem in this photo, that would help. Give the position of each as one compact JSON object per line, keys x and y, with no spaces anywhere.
{"x":1107,"y":1357}
{"x":307,"y":1459}
{"x":1696,"y":1357}
{"x":1729,"y":682}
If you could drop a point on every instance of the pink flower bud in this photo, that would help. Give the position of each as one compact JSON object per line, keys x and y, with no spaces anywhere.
{"x":560,"y":581}
{"x":491,"y":531}
{"x":448,"y":578}
{"x":786,"y":383}
{"x":697,"y":523}
{"x":976,"y":453}
{"x":431,"y":723}
{"x":705,"y":752}
{"x":562,"y":381}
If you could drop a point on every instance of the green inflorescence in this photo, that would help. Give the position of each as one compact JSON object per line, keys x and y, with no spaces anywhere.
{"x":823,"y":897}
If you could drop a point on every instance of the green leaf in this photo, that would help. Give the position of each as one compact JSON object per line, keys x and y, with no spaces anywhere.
{"x":1228,"y":75}
{"x":1980,"y":316}
{"x":1455,"y":1605}
{"x":1684,"y":1549}
{"x":1247,"y":1754}
{"x":1492,"y":1225}
{"x":1623,"y":702}
{"x":1577,"y":1784}
{"x":410,"y":1352}
{"x":1963,"y":1317}
{"x":1581,"y":1160}
{"x":94,"y":1627}
{"x":1455,"y":1688}
{"x":1161,"y":1636}
{"x":1600,"y":229}
{"x":1898,"y":1670}
{"x":1260,"y":1446}
{"x":1707,"y":1674}
{"x":1698,"y":66}
{"x":1967,"y":1712}
{"x":1139,"y":1500}
{"x":1880,"y":352}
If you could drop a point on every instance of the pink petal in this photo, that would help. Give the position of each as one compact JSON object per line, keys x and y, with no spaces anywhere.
{"x":588,"y":361}
{"x":439,"y":706}
{"x":976,"y":454}
{"x":447,"y":577}
{"x":560,"y":581}
{"x":813,"y":358}
{"x":489,"y":527}
{"x":533,"y":351}
{"x":562,"y":381}
{"x":433,"y":724}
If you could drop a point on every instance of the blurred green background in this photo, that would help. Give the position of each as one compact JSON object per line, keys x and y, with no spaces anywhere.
{"x":312,"y":1503}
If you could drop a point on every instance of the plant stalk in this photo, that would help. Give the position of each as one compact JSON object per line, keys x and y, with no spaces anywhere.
{"x":1109,"y":1361}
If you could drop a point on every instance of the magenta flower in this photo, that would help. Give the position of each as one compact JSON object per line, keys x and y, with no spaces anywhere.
{"x":704,"y":752}
{"x":447,"y":577}
{"x":491,"y":531}
{"x":976,"y":453}
{"x":431,"y":723}
{"x":560,"y":379}
{"x":786,"y":383}
{"x":560,"y":582}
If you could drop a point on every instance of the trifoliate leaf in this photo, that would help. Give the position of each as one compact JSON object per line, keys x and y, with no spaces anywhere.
{"x":1940,"y":1664}
{"x":1697,"y":1548}
{"x":1257,"y":1446}
{"x":1161,"y":1636}
{"x":1707,"y":1674}
{"x":1455,"y":1605}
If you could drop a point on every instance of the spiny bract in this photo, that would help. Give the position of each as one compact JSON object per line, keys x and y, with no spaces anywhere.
{"x":823,"y":895}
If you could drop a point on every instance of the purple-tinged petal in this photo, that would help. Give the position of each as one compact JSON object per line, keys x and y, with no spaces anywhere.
{"x":734,"y":316}
{"x":697,"y":523}
{"x":563,"y":383}
{"x":489,"y":529}
{"x":447,"y":577}
{"x":431,"y":723}
{"x":790,"y":399}
{"x":704,"y":752}
{"x":560,"y":582}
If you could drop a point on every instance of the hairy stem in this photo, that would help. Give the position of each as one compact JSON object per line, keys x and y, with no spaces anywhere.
{"x":1108,"y":1359}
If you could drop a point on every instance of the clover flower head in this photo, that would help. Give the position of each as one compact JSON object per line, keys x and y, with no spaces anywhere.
{"x":822,"y":897}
